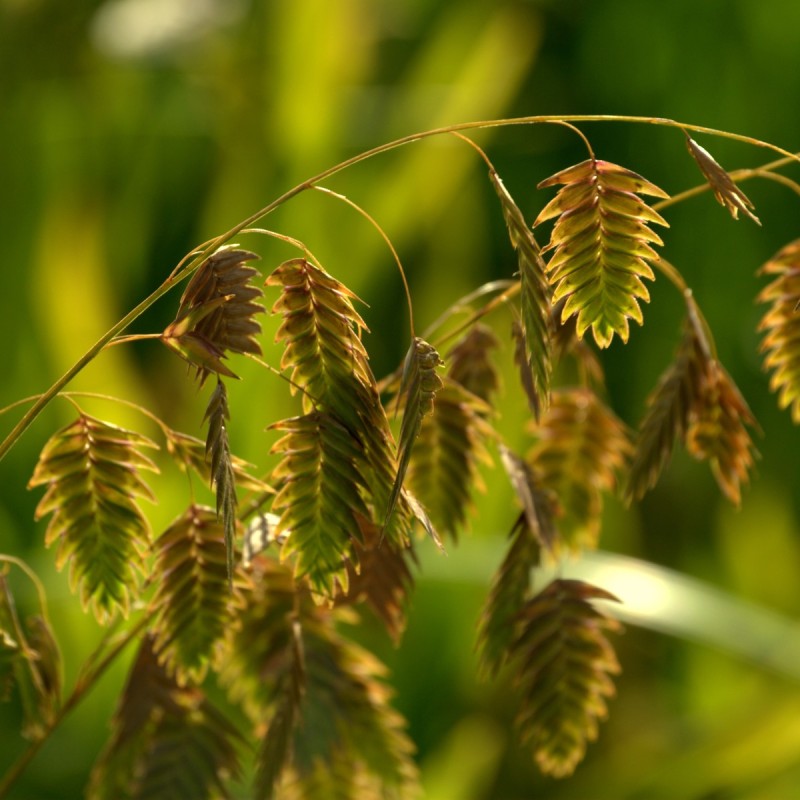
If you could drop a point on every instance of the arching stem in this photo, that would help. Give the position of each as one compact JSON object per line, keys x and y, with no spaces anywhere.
{"x":193,"y":260}
{"x":389,"y":244}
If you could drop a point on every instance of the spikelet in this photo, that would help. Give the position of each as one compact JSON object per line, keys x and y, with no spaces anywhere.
{"x":728,"y":194}
{"x":563,"y":662}
{"x":781,"y":326}
{"x":581,"y":450}
{"x":217,"y":314}
{"x":92,"y":472}
{"x":192,"y":601}
{"x":167,"y":741}
{"x":317,"y":701}
{"x":602,"y":246}
{"x":536,"y":341}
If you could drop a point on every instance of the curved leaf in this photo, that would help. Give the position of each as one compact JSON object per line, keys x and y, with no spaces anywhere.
{"x":602,"y":243}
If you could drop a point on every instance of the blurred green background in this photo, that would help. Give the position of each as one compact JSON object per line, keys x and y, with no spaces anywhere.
{"x":132,"y":130}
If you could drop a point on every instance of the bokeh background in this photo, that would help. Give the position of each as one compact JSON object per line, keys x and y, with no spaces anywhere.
{"x":132,"y":130}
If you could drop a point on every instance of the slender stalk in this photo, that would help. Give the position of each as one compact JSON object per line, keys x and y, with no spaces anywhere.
{"x":767,"y":171}
{"x":284,"y":377}
{"x":464,"y":304}
{"x":133,"y":337}
{"x":283,"y":238}
{"x":776,"y":177}
{"x":43,"y":400}
{"x":19,"y":633}
{"x":389,"y":244}
{"x":505,"y":295}
{"x":674,"y":276}
{"x":182,"y":272}
{"x":582,"y":135}
{"x":478,"y":149}
{"x":506,"y":288}
{"x":700,"y":326}
{"x":34,"y":579}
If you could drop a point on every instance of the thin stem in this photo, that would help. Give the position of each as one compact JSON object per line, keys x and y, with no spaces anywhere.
{"x":583,"y":136}
{"x":464,"y":126}
{"x":43,"y":400}
{"x":480,"y":313}
{"x":132,"y":337}
{"x":696,"y":317}
{"x":481,"y":152}
{"x":283,"y":376}
{"x":74,"y":403}
{"x":672,"y":274}
{"x":34,"y":579}
{"x":700,"y":326}
{"x":389,"y":244}
{"x":283,"y":238}
{"x":123,"y":402}
{"x":204,"y":248}
{"x":82,"y":686}
{"x":509,"y":287}
{"x":766,"y":171}
{"x":199,"y":255}
{"x":777,"y":178}
{"x":464,"y":303}
{"x":21,"y":402}
{"x":19,"y":633}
